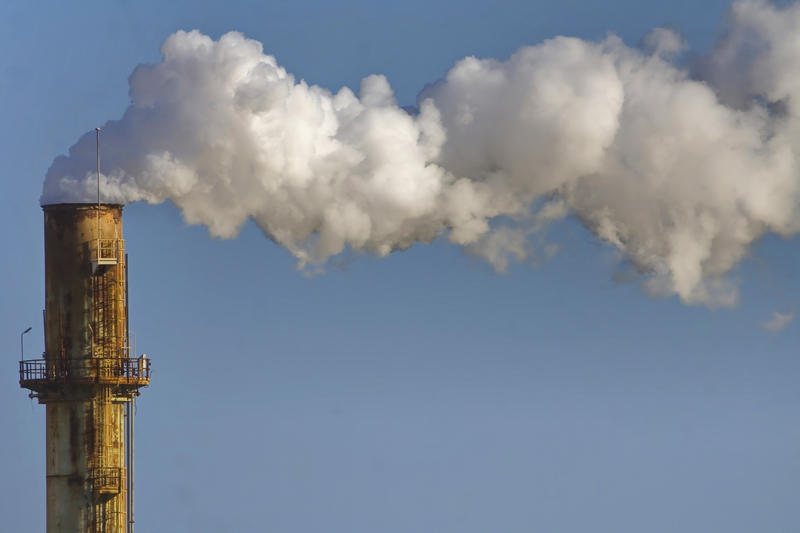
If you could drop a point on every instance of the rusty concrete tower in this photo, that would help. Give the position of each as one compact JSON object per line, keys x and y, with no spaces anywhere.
{"x":88,"y":378}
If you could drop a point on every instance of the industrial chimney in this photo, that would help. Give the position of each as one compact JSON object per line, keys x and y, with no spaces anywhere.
{"x":88,"y":379}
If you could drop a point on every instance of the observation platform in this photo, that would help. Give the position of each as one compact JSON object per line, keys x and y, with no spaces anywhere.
{"x":105,"y":252}
{"x":43,"y":374}
{"x":106,"y":480}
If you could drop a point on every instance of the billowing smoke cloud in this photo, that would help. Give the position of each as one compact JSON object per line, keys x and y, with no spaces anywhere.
{"x":679,"y":171}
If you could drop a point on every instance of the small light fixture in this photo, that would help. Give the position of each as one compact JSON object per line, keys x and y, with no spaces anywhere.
{"x":21,"y":344}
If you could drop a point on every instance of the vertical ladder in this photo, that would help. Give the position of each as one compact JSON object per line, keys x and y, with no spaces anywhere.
{"x":105,"y":315}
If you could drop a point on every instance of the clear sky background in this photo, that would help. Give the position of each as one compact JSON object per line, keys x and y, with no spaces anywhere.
{"x":412,"y":394}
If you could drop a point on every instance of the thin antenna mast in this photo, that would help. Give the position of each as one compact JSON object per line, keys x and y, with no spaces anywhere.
{"x":97,"y":134}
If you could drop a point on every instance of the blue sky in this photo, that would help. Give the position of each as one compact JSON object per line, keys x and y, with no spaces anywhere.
{"x":416,"y":393}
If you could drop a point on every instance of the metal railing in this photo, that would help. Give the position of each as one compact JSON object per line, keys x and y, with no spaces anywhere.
{"x":99,"y":369}
{"x":105,"y":251}
{"x":106,"y":479}
{"x":107,"y":248}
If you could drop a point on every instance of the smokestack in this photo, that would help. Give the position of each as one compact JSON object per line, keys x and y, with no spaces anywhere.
{"x":87,"y":379}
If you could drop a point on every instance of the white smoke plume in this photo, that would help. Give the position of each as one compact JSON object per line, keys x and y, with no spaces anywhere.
{"x":778,"y":321}
{"x":680,"y":170}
